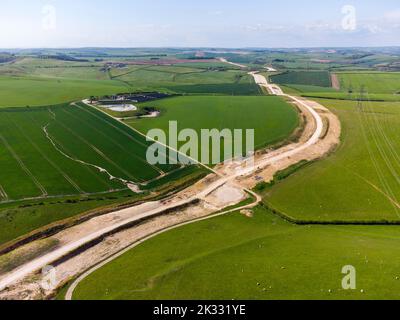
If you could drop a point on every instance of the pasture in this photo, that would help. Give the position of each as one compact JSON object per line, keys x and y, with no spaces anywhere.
{"x":358,"y":182}
{"x":38,"y":91}
{"x":263,"y":257}
{"x":38,"y":82}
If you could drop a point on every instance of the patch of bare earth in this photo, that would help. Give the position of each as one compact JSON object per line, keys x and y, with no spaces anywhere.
{"x":335,"y":81}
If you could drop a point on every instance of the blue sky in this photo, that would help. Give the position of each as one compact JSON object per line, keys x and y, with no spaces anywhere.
{"x":183,"y":23}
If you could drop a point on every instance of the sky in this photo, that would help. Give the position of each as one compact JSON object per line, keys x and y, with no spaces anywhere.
{"x":204,"y":23}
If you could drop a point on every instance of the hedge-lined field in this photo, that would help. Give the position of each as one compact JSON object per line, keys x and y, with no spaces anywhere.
{"x":41,"y":184}
{"x":310,"y":78}
{"x":190,"y":80}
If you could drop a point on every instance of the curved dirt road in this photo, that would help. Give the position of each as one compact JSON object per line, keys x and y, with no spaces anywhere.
{"x":149,"y":210}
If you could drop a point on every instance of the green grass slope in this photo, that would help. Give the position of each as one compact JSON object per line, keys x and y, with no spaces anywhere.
{"x":271,"y":117}
{"x":235,"y":257}
{"x":360,"y":181}
{"x":39,"y":91}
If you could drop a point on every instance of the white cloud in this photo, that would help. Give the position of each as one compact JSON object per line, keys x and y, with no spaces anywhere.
{"x":393,"y":15}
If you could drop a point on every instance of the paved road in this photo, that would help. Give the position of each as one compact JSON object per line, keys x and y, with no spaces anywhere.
{"x":149,"y":211}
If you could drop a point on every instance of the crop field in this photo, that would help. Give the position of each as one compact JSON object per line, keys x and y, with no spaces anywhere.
{"x":49,"y":81}
{"x":58,"y":161}
{"x":311,"y":78}
{"x":52,"y":152}
{"x":272,"y":118}
{"x":263,"y":257}
{"x":374,"y":82}
{"x":360,"y":181}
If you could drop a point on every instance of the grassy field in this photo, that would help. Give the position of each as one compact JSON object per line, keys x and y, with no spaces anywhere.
{"x":377,"y":97}
{"x":235,"y":257}
{"x":38,"y":91}
{"x":38,"y":82}
{"x":301,"y":89}
{"x":310,"y":78}
{"x":360,"y":181}
{"x":187,"y":79}
{"x":373,"y":82}
{"x":272,"y":118}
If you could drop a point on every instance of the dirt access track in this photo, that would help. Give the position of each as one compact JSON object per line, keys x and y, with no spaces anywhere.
{"x":83,"y":248}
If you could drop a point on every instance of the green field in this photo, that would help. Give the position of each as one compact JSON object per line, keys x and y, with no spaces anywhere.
{"x":38,"y":82}
{"x":300,"y":89}
{"x":373,"y":82}
{"x":271,"y":117}
{"x":309,"y":78}
{"x":360,"y":181}
{"x":235,"y":257}
{"x":50,"y":177}
{"x":39,"y":91}
{"x":83,"y":138}
{"x":187,"y":79}
{"x":355,"y":96}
